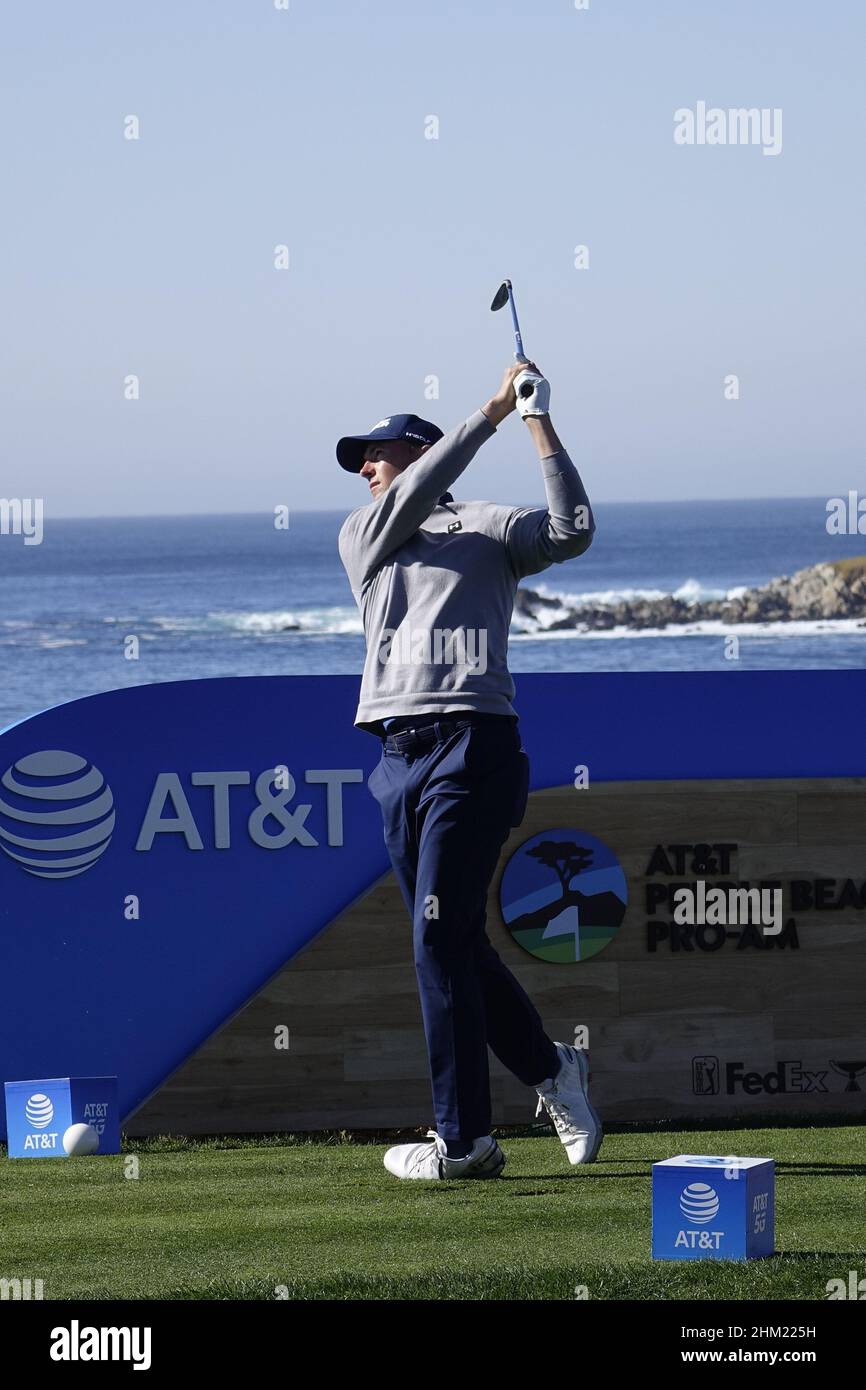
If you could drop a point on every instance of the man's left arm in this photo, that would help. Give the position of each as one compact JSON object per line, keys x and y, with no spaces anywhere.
{"x":537,"y":538}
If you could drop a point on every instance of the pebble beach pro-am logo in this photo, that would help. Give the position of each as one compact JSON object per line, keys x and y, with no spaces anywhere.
{"x":56,"y":813}
{"x":563,"y":895}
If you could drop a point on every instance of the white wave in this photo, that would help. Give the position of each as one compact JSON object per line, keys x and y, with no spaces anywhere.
{"x":690,"y":591}
{"x":298,"y":622}
{"x":327,"y":621}
{"x":599,"y":596}
{"x":851,"y":627}
{"x":166,"y":623}
{"x":42,"y":640}
{"x":60,"y":641}
{"x":694,"y":592}
{"x":543,"y":619}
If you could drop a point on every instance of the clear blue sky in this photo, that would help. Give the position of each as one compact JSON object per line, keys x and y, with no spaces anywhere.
{"x":261,"y":127}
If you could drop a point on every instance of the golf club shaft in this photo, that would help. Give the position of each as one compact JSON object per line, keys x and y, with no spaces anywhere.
{"x":520,"y":354}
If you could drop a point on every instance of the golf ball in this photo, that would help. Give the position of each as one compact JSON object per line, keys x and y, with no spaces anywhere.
{"x":80,"y":1139}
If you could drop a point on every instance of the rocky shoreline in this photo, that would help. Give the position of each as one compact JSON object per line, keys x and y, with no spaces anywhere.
{"x":835,"y":589}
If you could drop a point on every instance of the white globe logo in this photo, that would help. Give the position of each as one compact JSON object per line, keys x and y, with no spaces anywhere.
{"x":39,"y":1112}
{"x":699,"y":1203}
{"x":56,"y":813}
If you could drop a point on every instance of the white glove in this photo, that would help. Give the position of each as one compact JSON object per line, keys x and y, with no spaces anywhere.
{"x":533,"y":393}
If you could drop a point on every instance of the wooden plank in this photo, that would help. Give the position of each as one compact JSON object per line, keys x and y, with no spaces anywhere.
{"x":356,"y":1055}
{"x":833,"y":818}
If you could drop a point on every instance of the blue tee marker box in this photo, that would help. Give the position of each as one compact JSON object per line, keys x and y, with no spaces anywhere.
{"x":38,"y":1113}
{"x":711,"y":1208}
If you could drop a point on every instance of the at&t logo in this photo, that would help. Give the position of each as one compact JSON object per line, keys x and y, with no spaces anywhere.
{"x":56,"y":813}
{"x":39,"y":1112}
{"x":699,"y":1204}
{"x":59,"y":809}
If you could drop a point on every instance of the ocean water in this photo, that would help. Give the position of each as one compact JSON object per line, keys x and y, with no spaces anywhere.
{"x":230,"y":595}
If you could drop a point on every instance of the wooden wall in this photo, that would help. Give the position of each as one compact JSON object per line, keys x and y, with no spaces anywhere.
{"x":357,"y":1059}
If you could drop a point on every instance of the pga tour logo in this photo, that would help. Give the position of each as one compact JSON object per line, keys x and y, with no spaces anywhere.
{"x":57,"y":811}
{"x":699,"y":1204}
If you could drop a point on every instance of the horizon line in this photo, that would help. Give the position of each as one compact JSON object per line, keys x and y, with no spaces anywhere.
{"x":318,"y":511}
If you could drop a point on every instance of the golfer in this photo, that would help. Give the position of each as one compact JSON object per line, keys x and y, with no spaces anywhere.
{"x":435,"y":581}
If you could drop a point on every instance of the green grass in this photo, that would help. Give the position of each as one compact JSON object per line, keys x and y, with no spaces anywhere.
{"x":235,"y":1218}
{"x":852,"y":566}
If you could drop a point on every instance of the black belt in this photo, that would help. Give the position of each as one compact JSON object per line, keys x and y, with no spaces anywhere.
{"x":429,"y":729}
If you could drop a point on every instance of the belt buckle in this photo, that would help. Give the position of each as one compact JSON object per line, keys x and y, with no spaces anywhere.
{"x":405,"y":740}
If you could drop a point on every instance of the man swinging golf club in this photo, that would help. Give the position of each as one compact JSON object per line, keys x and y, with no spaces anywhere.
{"x":435,"y":581}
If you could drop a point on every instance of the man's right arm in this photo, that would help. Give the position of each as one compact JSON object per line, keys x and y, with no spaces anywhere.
{"x":538,"y":537}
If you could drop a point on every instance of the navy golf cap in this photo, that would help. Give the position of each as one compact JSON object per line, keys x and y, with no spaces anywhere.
{"x":350,"y":449}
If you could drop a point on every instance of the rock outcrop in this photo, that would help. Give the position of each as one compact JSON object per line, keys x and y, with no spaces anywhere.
{"x":835,"y":589}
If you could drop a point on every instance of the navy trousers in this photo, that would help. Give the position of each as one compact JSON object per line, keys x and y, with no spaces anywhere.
{"x":449,"y":797}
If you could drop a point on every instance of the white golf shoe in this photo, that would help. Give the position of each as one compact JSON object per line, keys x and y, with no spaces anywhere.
{"x":422,"y":1160}
{"x":566,"y":1101}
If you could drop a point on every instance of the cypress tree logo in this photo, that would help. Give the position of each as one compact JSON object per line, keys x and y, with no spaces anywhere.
{"x":563,"y":895}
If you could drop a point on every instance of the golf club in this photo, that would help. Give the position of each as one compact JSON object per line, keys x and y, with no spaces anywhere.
{"x":504,"y":295}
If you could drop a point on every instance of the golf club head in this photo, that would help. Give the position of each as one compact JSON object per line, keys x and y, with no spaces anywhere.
{"x":505,"y":295}
{"x":500,"y":299}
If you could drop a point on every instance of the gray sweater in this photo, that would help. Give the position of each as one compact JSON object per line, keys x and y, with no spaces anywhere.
{"x":435,"y":579}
